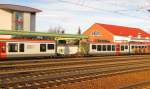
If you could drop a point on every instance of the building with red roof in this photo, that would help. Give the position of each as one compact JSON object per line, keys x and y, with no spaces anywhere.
{"x":113,"y":33}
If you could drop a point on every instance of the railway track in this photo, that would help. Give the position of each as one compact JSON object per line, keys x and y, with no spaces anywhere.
{"x":12,"y":62}
{"x":53,"y":65}
{"x":63,"y":62}
{"x":47,"y":76}
{"x":68,"y":76}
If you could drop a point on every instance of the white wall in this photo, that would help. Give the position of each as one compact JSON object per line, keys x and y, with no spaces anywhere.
{"x":26,"y":21}
{"x":121,"y":39}
{"x":67,"y":49}
{"x":5,"y":20}
{"x":6,"y":36}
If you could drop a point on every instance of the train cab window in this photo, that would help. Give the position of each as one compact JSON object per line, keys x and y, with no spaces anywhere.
{"x":104,"y":47}
{"x":113,"y":47}
{"x":21,"y":47}
{"x":50,"y":46}
{"x":42,"y":47}
{"x":99,"y":47}
{"x":94,"y":47}
{"x":108,"y":47}
{"x":3,"y":49}
{"x":13,"y":47}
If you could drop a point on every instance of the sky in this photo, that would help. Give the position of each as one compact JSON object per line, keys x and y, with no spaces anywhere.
{"x":72,"y":14}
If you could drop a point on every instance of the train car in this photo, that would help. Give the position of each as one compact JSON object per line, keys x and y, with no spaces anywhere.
{"x":103,"y":48}
{"x":67,"y":48}
{"x":139,"y":48}
{"x":15,"y":48}
{"x":118,"y":48}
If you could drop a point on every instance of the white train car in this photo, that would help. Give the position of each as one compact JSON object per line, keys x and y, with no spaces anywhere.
{"x":102,"y":48}
{"x":16,"y":48}
{"x":118,"y":48}
{"x":67,"y":47}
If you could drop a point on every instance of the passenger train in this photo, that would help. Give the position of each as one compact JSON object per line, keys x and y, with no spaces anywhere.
{"x":119,"y":48}
{"x":16,"y":48}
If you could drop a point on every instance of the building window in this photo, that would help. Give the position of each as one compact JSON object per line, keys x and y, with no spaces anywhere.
{"x":42,"y":47}
{"x":50,"y":46}
{"x":13,"y":47}
{"x":95,"y":33}
{"x":19,"y":20}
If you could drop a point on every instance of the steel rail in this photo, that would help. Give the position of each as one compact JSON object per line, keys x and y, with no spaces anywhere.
{"x":66,"y":59}
{"x":57,"y":78}
{"x":49,"y":67}
{"x":65,"y":62}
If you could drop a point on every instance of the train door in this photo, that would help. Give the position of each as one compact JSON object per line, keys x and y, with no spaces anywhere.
{"x":2,"y":50}
{"x":117,"y":49}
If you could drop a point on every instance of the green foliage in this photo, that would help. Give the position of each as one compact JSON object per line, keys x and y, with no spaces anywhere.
{"x":84,"y":48}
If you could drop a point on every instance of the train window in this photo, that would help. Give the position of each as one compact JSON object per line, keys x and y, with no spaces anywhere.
{"x":50,"y":46}
{"x":42,"y":47}
{"x":13,"y":47}
{"x":122,"y":47}
{"x":21,"y":47}
{"x":126,"y":47}
{"x":62,"y":42}
{"x":104,"y":47}
{"x":113,"y":47}
{"x":93,"y":46}
{"x":99,"y":48}
{"x":108,"y":47}
{"x":133,"y":47}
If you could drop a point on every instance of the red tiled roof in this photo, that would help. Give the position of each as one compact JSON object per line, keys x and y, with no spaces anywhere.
{"x":18,"y":8}
{"x":124,"y":31}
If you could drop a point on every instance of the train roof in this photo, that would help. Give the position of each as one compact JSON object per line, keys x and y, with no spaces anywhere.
{"x":23,"y":33}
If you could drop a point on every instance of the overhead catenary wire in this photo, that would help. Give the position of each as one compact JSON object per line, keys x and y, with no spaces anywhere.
{"x":121,"y":12}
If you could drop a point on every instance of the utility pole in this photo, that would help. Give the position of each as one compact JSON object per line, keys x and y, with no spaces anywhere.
{"x":79,"y":31}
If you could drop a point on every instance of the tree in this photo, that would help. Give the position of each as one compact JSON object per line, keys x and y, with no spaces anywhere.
{"x":57,"y":30}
